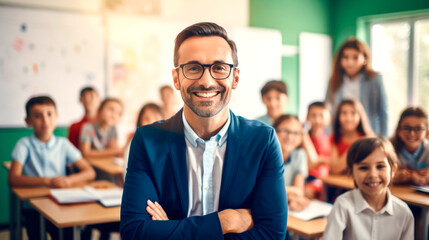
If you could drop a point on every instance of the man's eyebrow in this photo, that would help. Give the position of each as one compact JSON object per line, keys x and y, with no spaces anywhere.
{"x":194,"y":61}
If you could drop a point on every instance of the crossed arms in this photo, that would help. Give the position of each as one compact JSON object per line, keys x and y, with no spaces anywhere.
{"x":263,"y":216}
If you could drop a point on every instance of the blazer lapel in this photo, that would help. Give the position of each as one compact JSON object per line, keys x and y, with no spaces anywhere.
{"x":230,"y":162}
{"x":178,"y":160}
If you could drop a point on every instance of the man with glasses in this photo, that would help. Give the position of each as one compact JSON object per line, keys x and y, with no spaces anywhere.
{"x":205,"y":173}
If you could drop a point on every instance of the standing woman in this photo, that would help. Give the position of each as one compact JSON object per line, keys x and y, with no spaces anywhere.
{"x":353,"y":78}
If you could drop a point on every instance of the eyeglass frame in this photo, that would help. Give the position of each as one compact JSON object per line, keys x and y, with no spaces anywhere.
{"x":288,"y":132}
{"x":416,"y":130}
{"x":209,"y":66}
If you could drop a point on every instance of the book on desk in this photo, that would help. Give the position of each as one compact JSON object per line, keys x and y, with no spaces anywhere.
{"x":316,"y":209}
{"x":110,"y":197}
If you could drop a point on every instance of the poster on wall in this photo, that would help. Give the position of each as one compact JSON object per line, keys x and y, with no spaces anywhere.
{"x":45,"y":52}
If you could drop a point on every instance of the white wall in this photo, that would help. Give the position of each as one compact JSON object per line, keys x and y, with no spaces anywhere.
{"x":223,"y":12}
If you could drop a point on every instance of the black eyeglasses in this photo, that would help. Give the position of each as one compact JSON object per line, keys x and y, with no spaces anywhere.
{"x":409,"y":129}
{"x":288,"y":132}
{"x":218,"y":71}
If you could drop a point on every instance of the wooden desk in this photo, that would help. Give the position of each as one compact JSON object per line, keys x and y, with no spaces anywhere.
{"x":341,"y":181}
{"x":19,"y":194}
{"x":308,"y":229}
{"x":74,"y":215}
{"x":107,"y":165}
{"x":403,"y":192}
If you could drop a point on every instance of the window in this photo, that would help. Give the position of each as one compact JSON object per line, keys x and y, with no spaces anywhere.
{"x":400,"y":52}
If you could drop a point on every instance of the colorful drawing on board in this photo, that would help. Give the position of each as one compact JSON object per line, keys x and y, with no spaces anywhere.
{"x":18,"y":44}
{"x":51,"y":49}
{"x":77,"y":49}
{"x":31,"y":46}
{"x":89,"y":76}
{"x":130,"y":58}
{"x":35,"y":68}
{"x":120,"y":73}
{"x":23,"y":27}
{"x":25,"y":69}
{"x":42,"y":65}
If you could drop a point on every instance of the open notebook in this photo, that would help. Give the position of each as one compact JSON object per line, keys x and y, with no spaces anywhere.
{"x":316,"y":209}
{"x":423,"y":189}
{"x":109,"y":197}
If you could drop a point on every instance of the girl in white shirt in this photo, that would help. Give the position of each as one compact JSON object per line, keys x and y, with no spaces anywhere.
{"x":370,"y":211}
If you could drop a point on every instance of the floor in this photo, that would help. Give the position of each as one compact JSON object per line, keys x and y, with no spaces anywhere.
{"x":4,"y":235}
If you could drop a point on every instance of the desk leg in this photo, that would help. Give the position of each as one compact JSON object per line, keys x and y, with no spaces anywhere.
{"x":295,"y":236}
{"x":425,"y":214}
{"x":42,"y":228}
{"x":15,"y":217}
{"x":12,"y":216}
{"x":18,"y":218}
{"x":76,"y":232}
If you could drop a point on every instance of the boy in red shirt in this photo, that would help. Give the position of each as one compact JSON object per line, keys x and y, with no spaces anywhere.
{"x":90,"y":101}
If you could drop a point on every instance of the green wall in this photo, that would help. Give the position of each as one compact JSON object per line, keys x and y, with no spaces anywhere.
{"x":346,"y":13}
{"x":8,"y":138}
{"x":291,"y":17}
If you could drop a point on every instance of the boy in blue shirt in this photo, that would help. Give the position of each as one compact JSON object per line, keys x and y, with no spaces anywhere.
{"x":42,"y":159}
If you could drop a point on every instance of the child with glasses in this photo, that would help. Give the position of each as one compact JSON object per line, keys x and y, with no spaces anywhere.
{"x":412,"y":146}
{"x":290,"y":134}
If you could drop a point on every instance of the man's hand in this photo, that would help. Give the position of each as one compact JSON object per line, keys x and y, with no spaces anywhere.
{"x":156,"y":211}
{"x":235,"y":220}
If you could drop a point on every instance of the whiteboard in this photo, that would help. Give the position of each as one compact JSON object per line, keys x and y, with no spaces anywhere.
{"x":315,"y":54}
{"x":140,"y":60}
{"x":48,"y":52}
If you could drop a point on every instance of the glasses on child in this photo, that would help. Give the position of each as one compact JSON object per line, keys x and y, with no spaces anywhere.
{"x":218,"y":71}
{"x":409,"y":129}
{"x":288,"y":132}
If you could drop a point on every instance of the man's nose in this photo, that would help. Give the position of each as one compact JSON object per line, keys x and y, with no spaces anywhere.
{"x":206,"y":79}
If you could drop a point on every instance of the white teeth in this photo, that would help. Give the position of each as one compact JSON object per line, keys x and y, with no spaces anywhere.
{"x":373,"y":184}
{"x":205,"y":94}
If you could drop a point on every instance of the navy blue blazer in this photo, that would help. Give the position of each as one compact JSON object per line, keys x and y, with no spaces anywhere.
{"x":252,"y":178}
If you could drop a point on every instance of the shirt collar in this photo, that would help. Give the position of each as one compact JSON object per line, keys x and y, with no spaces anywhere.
{"x":361,"y":204}
{"x":193,"y":138}
{"x":412,"y":156}
{"x":356,"y":80}
{"x":41,"y":144}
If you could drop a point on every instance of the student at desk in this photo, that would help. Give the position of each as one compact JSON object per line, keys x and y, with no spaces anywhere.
{"x":149,"y":113}
{"x":318,"y":116}
{"x":350,"y":124}
{"x":90,"y":101}
{"x":41,"y":160}
{"x":370,"y":211}
{"x":100,"y":139}
{"x":290,"y":134}
{"x":412,"y":146}
{"x":274,"y":96}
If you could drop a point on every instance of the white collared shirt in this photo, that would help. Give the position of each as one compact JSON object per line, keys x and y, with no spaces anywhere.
{"x":205,"y":163}
{"x":352,"y":87}
{"x":352,"y":218}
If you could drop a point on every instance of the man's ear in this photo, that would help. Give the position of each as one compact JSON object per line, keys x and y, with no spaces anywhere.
{"x":175,"y":74}
{"x":236,"y":78}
